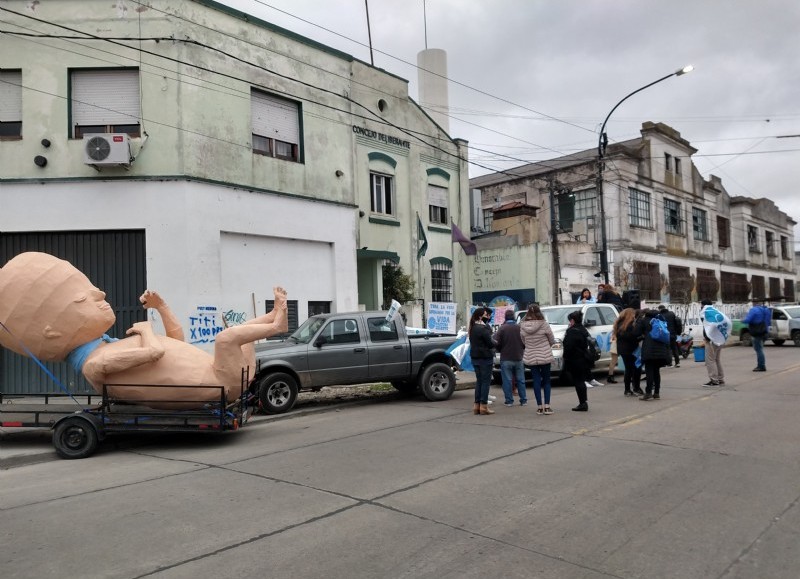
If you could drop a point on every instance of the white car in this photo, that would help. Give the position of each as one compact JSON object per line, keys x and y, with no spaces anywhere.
{"x":599,"y":320}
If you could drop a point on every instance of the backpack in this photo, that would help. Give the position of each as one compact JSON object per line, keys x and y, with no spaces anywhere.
{"x":659,"y":331}
{"x":592,"y":350}
{"x":757,"y":329}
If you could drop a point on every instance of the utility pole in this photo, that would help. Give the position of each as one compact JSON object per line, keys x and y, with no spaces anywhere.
{"x":555,"y":266}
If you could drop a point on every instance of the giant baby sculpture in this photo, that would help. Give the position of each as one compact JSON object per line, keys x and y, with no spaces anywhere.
{"x":51,"y":309}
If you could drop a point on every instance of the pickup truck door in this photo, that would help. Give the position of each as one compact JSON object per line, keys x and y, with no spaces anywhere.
{"x":389,"y":351}
{"x":601,"y":319}
{"x":343,"y":357}
{"x":779,"y":328}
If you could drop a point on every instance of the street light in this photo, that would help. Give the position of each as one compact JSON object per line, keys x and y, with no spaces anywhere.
{"x":602,"y":143}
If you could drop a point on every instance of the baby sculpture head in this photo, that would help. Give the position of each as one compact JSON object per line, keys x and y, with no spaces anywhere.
{"x":49,"y":306}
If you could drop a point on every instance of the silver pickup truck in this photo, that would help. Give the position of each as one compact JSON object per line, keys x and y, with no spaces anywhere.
{"x":785,"y":325}
{"x":351,"y":348}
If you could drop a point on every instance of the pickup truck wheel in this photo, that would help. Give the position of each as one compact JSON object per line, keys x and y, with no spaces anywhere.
{"x":778,"y":342}
{"x":796,"y":337}
{"x":404,"y":386}
{"x":746,"y":339}
{"x":74,"y":438}
{"x":277,"y":393}
{"x":437,"y":382}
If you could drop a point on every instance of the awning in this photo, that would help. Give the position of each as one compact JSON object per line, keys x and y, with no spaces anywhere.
{"x":377,"y":254}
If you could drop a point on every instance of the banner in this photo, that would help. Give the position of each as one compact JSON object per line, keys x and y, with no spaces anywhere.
{"x":442,"y":317}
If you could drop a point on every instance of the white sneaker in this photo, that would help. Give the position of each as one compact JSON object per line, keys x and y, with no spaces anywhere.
{"x":492,"y":397}
{"x":490,"y":402}
{"x":589,"y":384}
{"x":595,"y":383}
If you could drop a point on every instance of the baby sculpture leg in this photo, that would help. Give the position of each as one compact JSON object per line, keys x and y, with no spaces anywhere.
{"x":234,"y":350}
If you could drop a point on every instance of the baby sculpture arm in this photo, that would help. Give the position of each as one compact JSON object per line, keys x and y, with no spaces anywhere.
{"x":151,"y":299}
{"x":105,"y":361}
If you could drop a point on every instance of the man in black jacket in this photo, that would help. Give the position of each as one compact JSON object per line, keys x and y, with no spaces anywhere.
{"x":675,"y":328}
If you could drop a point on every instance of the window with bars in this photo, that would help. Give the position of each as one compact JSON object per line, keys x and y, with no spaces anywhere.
{"x":758,"y":289}
{"x":734,"y":287}
{"x":104,"y":101}
{"x":10,"y":104}
{"x":723,"y":231}
{"x":441,"y":283}
{"x":275,"y":126}
{"x":647,"y":278}
{"x":380,"y":188}
{"x":672,"y":217}
{"x":488,"y":219}
{"x":788,"y":290}
{"x":700,"y":224}
{"x":769,"y":243}
{"x":707,"y":284}
{"x":775,"y":288}
{"x":680,"y":284}
{"x":437,"y":204}
{"x":639,"y":208}
{"x":784,"y":247}
{"x":752,"y":239}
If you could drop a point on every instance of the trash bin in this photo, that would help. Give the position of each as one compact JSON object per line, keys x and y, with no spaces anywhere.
{"x":699,"y":353}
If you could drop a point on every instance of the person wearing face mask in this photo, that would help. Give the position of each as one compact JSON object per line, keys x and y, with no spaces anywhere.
{"x":482,"y":356}
{"x":576,"y":361}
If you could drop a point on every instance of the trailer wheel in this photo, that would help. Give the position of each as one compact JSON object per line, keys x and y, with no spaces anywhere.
{"x":277,"y":393}
{"x":75,"y":438}
{"x":437,"y":382}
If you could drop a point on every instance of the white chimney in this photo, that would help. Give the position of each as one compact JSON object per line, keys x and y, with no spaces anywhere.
{"x":432,"y":67}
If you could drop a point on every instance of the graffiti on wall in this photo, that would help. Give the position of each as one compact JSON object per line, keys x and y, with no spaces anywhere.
{"x":233,"y":318}
{"x":204,"y":326}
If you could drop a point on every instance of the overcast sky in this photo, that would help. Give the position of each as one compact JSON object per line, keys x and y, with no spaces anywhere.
{"x":534,"y":79}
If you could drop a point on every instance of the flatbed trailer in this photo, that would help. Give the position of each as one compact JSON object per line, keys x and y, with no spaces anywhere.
{"x":81,"y":422}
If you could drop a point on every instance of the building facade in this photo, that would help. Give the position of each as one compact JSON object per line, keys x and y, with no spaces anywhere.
{"x":671,"y":234}
{"x":199,"y":151}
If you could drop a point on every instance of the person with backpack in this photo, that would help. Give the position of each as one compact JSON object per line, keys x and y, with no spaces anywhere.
{"x":758,"y":321}
{"x":576,"y":357}
{"x":675,"y":328}
{"x":655,"y":352}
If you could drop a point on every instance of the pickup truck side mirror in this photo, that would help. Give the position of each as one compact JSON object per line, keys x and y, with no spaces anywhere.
{"x":320,"y":341}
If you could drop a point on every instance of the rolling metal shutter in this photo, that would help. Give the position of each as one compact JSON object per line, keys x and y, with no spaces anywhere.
{"x":10,"y":96}
{"x":275,"y":118}
{"x":105,"y":97}
{"x":113,"y":260}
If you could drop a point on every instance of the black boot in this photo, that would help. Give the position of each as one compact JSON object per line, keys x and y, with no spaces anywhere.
{"x":582,"y":407}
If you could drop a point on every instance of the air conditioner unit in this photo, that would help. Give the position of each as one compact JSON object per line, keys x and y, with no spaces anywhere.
{"x":107,"y":149}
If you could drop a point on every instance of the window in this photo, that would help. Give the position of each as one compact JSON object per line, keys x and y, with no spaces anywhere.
{"x":342,"y":332}
{"x":677,"y":166}
{"x":488,"y":218}
{"x":579,"y":205}
{"x":774,"y":288}
{"x":104,"y":101}
{"x":707,"y":284}
{"x":275,"y":126}
{"x":784,"y":247}
{"x":700,"y":224}
{"x":316,"y":308}
{"x":757,"y":287}
{"x":752,"y":239}
{"x":769,"y":242}
{"x":788,"y":290}
{"x":672,"y":217}
{"x":680,"y":284}
{"x":441,"y":283}
{"x":437,"y":204}
{"x":10,"y":104}
{"x":291,"y":314}
{"x":380,"y":188}
{"x":382,"y":331}
{"x":647,"y":278}
{"x":734,"y":287}
{"x":639,"y":208}
{"x":723,"y":231}
{"x":668,"y":162}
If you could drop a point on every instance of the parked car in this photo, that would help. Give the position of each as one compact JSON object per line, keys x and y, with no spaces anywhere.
{"x":351,"y":348}
{"x":785,"y":325}
{"x":599,"y":320}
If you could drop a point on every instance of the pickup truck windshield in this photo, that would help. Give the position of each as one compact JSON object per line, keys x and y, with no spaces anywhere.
{"x":304,"y":333}
{"x":559,"y":315}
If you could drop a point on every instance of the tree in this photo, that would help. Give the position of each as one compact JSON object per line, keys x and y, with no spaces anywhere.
{"x":396,"y":285}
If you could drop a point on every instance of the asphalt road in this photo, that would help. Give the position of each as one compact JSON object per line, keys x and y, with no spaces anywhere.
{"x":703,"y":483}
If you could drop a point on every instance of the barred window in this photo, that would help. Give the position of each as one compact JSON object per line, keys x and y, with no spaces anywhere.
{"x":774,"y":288}
{"x":752,"y":239}
{"x":734,"y":287}
{"x":700,"y":224}
{"x":723,"y":231}
{"x":441,"y":283}
{"x":672,"y":217}
{"x":639,"y":208}
{"x":788,"y":290}
{"x":680,"y":284}
{"x":707,"y":284}
{"x":757,"y":287}
{"x":647,"y":279}
{"x":488,"y":218}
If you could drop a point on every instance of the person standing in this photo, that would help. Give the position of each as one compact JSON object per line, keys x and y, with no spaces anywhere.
{"x":610,"y":296}
{"x":629,"y":335}
{"x":576,"y":360}
{"x":675,"y":328}
{"x":508,"y":341}
{"x":716,"y":327}
{"x":586,"y":297}
{"x":612,"y":364}
{"x":538,"y":339}
{"x":482,"y":356}
{"x":655,"y":355}
{"x":758,"y":322}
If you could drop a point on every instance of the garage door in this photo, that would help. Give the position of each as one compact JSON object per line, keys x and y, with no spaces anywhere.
{"x":113,"y":260}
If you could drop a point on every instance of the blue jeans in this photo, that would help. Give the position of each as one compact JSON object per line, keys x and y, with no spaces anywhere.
{"x":509,"y":368}
{"x":483,"y":379}
{"x":541,"y":380}
{"x":758,"y":346}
